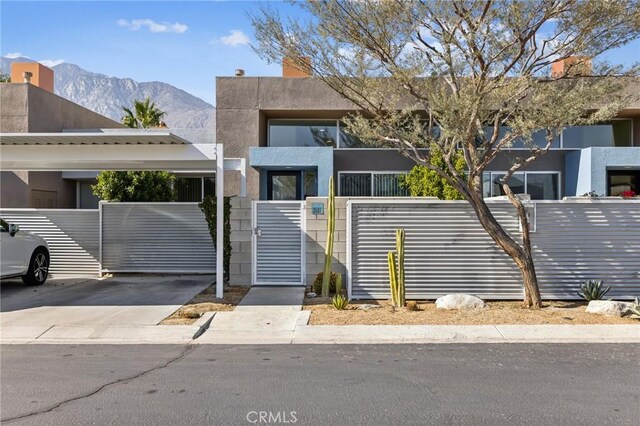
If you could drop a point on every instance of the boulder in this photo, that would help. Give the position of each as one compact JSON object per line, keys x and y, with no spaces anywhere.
{"x":608,"y":307}
{"x":459,"y":301}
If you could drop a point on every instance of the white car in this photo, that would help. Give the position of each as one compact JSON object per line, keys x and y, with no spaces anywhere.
{"x":23,"y":254}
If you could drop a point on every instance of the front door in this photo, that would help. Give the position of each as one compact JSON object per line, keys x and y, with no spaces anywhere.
{"x":284,"y":185}
{"x":278,"y":242}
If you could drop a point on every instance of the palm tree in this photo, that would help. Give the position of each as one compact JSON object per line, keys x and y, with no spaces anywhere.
{"x":147,"y":115}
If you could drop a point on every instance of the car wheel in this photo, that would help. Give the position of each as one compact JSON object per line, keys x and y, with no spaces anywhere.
{"x":38,"y":268}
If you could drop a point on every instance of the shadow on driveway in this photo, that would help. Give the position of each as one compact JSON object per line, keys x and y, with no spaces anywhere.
{"x":141,"y":299}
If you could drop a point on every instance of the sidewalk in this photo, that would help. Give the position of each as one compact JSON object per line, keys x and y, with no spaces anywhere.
{"x":274,"y":315}
{"x":266,"y":315}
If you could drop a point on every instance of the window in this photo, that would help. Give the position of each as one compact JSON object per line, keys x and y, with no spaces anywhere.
{"x":194,"y":189}
{"x":538,"y":139}
{"x":619,"y":181}
{"x":303,"y":133}
{"x":367,"y":184}
{"x":539,"y":185}
{"x":610,"y":134}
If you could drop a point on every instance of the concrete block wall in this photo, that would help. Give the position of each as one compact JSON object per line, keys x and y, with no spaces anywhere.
{"x":241,"y":228}
{"x":317,"y":238}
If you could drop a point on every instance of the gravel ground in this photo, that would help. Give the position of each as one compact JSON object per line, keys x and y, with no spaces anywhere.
{"x":553,"y":312}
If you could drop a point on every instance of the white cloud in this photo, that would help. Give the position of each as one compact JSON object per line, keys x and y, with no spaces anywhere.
{"x":14,"y":55}
{"x":51,"y":62}
{"x":152,"y":26}
{"x":235,"y":38}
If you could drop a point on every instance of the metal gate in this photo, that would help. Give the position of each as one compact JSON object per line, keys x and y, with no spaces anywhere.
{"x":278,"y":242}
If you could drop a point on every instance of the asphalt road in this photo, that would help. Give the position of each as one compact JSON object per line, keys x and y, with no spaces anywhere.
{"x":321,"y":384}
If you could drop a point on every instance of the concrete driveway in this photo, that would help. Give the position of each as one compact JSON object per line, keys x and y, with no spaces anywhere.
{"x":87,"y":306}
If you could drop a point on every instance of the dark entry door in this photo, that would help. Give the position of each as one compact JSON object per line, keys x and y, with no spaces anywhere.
{"x":284,"y":185}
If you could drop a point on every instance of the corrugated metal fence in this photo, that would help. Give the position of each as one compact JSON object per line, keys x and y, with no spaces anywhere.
{"x":448,"y":251}
{"x":156,"y":237}
{"x":126,"y":237}
{"x":72,"y":235}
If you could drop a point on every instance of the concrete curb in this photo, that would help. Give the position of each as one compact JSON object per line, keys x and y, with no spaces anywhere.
{"x":201,"y":333}
{"x":373,"y":334}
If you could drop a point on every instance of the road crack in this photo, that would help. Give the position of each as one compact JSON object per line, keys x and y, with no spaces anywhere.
{"x":186,"y":351}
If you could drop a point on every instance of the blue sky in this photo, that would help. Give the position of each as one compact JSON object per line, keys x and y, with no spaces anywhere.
{"x":185,"y":44}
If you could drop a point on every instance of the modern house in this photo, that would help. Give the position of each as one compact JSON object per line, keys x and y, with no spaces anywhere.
{"x":289,"y":128}
{"x":29,"y":105}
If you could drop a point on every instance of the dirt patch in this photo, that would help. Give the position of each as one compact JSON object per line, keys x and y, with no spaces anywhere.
{"x":553,"y":312}
{"x":206,"y":302}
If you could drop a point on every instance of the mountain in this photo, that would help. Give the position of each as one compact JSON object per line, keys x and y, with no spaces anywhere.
{"x":106,"y":95}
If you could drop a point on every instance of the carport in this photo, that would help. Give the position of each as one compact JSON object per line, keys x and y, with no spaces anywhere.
{"x":130,"y":149}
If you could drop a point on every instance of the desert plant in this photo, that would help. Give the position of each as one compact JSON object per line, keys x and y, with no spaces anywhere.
{"x":339,"y":284}
{"x":396,"y":271}
{"x":412,"y":305}
{"x":340,"y":302}
{"x":331,"y":225}
{"x":590,"y":194}
{"x":317,"y":283}
{"x":634,"y":309}
{"x":592,"y":290}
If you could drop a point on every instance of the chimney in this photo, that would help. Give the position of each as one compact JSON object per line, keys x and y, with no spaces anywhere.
{"x":33,"y":73}
{"x":571,"y":66}
{"x":296,"y":67}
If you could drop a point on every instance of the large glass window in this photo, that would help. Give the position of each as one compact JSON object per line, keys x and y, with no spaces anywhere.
{"x":194,"y":189}
{"x":538,"y":139}
{"x":303,"y":132}
{"x":188,"y":190}
{"x":539,"y":185}
{"x":613,"y":133}
{"x":369,"y":184}
{"x":543,"y":186}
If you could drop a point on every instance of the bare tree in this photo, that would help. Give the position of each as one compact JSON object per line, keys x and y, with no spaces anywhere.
{"x":473,"y":76}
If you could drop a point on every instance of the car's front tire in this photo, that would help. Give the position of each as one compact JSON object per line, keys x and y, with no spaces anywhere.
{"x":38,"y":267}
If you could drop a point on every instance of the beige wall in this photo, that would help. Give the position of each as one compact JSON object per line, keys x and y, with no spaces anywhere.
{"x":241,"y":229}
{"x":27,"y":108}
{"x":14,"y":109}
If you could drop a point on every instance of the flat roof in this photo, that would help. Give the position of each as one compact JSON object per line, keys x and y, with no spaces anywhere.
{"x":120,"y":137}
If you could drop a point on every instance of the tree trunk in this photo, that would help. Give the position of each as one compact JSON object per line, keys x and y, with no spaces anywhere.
{"x":521,"y":255}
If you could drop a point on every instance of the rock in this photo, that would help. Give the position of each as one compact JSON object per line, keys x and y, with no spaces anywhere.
{"x":459,"y":301}
{"x":608,"y":307}
{"x":311,"y":295}
{"x":367,"y":306}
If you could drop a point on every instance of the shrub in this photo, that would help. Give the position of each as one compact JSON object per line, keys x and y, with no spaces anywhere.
{"x":317,"y":283}
{"x":209,"y":208}
{"x":592,"y":290}
{"x":412,"y":305}
{"x":340,"y":302}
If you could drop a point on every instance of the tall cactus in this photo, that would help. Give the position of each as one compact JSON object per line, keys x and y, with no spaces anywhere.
{"x":396,"y":271}
{"x":328,"y":251}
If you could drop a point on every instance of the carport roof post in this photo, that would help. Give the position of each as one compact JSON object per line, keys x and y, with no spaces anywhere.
{"x":125,"y":150}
